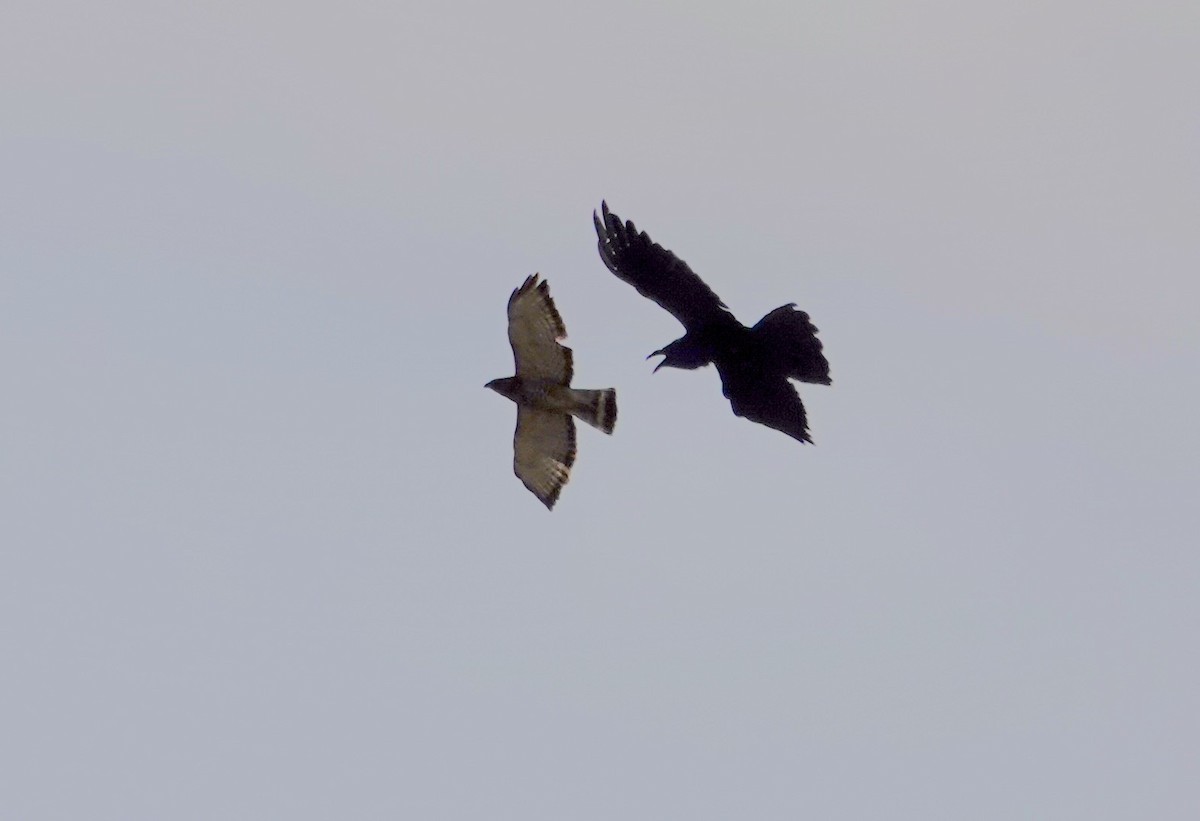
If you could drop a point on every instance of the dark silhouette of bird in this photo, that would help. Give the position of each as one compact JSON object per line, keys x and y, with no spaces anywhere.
{"x":544,"y":442}
{"x":755,"y":363}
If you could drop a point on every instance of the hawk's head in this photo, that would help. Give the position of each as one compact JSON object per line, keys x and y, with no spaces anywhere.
{"x":504,"y":387}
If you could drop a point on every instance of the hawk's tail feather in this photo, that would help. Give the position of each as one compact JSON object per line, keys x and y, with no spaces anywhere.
{"x":596,"y":407}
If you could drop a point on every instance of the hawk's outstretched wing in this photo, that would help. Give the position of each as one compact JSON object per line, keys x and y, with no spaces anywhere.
{"x":543,"y":451}
{"x":657,"y":273}
{"x":534,"y":328}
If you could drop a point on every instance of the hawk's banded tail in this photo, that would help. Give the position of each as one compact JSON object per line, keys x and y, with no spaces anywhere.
{"x":597,"y":408}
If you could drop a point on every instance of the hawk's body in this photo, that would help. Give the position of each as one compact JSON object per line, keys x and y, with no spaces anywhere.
{"x":544,"y":442}
{"x":755,"y":363}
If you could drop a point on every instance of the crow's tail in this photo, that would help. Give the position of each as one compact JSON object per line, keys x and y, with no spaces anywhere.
{"x":598,"y":408}
{"x":789,"y":333}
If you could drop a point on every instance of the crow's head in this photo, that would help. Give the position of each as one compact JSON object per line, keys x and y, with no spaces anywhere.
{"x":683,"y":354}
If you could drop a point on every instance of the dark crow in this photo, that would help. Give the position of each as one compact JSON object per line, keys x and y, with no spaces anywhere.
{"x":754,"y":363}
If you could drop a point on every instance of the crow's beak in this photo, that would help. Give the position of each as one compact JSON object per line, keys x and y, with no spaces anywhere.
{"x":659,"y":352}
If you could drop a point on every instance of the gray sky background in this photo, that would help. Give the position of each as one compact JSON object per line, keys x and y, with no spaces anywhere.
{"x":263,"y":555}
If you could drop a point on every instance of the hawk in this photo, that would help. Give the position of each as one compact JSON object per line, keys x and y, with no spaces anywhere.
{"x":544,"y":443}
{"x":755,"y":364}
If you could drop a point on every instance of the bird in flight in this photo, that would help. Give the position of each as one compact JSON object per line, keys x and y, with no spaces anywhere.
{"x":544,"y":443}
{"x":755,"y":363}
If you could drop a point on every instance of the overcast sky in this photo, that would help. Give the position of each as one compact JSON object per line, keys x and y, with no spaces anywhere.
{"x":262,"y":554}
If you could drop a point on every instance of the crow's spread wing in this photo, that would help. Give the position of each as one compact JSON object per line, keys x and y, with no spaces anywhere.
{"x":534,"y":328}
{"x":657,"y":273}
{"x":769,"y":399}
{"x":543,"y":451}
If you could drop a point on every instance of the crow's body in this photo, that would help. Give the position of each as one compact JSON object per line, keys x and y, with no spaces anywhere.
{"x":754,"y":363}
